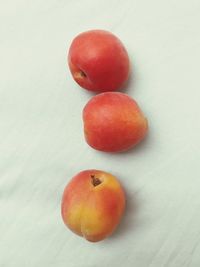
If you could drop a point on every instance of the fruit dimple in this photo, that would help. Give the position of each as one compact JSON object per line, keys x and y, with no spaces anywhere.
{"x":95,"y":181}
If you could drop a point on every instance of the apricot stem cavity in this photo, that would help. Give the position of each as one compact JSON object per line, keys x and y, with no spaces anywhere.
{"x":95,"y":181}
{"x":79,"y":75}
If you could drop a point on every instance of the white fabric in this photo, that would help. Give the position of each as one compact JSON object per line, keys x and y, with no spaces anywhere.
{"x":41,"y":137}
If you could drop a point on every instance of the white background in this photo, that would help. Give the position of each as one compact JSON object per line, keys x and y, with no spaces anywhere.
{"x":42,"y":144}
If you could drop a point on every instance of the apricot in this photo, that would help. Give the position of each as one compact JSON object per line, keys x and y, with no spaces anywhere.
{"x":92,"y":204}
{"x":113,"y":122}
{"x":98,"y":61}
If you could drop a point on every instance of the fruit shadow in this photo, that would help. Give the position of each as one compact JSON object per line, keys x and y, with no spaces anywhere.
{"x":130,"y":218}
{"x":129,"y":84}
{"x":140,"y":147}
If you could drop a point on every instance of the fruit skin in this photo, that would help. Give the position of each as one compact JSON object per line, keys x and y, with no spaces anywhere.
{"x":93,"y":211}
{"x":113,"y":122}
{"x":98,"y":61}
